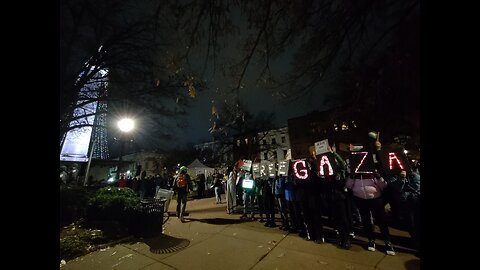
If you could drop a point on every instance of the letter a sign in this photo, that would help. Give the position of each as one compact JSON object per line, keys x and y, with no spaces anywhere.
{"x":393,"y":161}
{"x":326,"y":164}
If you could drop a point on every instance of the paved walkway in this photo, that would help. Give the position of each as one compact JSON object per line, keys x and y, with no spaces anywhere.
{"x":212,"y":239}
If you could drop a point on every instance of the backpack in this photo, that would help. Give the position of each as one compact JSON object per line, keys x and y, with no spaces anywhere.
{"x":181,"y":181}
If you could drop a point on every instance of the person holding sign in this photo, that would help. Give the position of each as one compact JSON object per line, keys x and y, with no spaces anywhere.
{"x":367,"y":187}
{"x":269,"y":201}
{"x":405,"y":202}
{"x":259,"y":195}
{"x":248,"y":185}
{"x":293,"y":206}
{"x":309,"y":192}
{"x":336,"y":196}
{"x":279,"y":191}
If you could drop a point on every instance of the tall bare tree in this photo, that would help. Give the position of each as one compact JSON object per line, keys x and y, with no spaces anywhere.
{"x":319,"y":38}
{"x":161,"y":50}
{"x":127,"y":46}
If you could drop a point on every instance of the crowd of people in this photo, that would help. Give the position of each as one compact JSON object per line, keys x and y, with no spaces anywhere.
{"x":146,"y":186}
{"x":341,"y":201}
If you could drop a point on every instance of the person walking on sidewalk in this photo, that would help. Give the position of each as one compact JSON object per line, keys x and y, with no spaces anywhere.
{"x":181,"y":185}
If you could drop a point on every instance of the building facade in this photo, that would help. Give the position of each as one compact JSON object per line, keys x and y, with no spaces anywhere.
{"x":274,"y":144}
{"x":333,"y":125}
{"x":152,"y":163}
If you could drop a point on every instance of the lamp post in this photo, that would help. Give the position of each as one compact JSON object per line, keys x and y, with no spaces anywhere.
{"x":85,"y":182}
{"x":125,"y":125}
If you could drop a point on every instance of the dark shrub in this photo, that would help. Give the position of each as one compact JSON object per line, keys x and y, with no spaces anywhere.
{"x":113,"y":203}
{"x":73,"y":204}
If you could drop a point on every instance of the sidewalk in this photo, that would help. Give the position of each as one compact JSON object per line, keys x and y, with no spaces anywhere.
{"x":212,"y":239}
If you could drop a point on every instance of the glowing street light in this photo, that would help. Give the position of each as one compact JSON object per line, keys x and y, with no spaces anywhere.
{"x":126,"y":124}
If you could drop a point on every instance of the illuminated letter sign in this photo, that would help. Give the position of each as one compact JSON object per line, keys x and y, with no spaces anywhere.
{"x":300,"y":169}
{"x":393,"y":161}
{"x":263,"y":169}
{"x":256,"y":169}
{"x":361,"y":162}
{"x":283,"y":167}
{"x":324,"y":161}
{"x":391,"y":158}
{"x":272,"y":170}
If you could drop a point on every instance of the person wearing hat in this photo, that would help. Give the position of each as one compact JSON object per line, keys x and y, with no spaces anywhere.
{"x":181,"y":184}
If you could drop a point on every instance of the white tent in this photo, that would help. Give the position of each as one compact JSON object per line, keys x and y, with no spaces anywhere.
{"x":196,"y":167}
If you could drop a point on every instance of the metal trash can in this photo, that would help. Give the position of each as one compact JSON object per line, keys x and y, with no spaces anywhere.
{"x":151,"y":218}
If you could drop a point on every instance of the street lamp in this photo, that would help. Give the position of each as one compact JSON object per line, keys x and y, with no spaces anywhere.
{"x":125,"y":125}
{"x":85,"y":182}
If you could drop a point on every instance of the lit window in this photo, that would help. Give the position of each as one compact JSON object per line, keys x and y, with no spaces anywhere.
{"x":344,"y":127}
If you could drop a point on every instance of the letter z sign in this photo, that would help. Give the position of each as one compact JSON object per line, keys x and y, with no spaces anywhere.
{"x":361,"y":162}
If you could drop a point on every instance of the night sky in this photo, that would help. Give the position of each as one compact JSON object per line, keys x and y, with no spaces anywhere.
{"x":194,"y":126}
{"x":253,"y":93}
{"x":256,"y":101}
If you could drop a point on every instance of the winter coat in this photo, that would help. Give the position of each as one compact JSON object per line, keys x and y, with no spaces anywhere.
{"x":366,"y":186}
